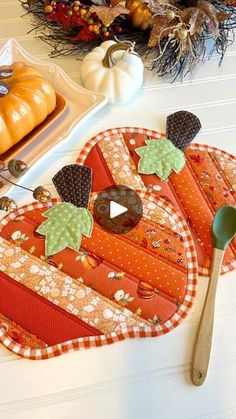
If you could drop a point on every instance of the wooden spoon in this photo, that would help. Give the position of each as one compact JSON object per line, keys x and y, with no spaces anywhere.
{"x":224,"y":230}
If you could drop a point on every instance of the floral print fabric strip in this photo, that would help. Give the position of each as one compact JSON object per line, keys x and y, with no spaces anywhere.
{"x":20,"y":335}
{"x":122,"y":168}
{"x":112,"y":304}
{"x":161,"y":233}
{"x":65,"y":292}
{"x":211,"y":177}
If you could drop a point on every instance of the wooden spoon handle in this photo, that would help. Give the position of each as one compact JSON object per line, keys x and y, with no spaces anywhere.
{"x":204,"y":336}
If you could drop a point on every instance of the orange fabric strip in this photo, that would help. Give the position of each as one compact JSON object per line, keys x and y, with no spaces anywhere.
{"x":140,"y":263}
{"x":65,"y":292}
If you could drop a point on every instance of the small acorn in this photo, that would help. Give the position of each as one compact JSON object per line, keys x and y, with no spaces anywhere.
{"x":17,"y":167}
{"x":7,"y":204}
{"x":41,"y":194}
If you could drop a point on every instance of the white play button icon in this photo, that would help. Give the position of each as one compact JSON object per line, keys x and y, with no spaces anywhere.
{"x":116,"y":209}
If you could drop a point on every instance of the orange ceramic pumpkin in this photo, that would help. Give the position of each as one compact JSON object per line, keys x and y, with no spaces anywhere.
{"x":26,"y":99}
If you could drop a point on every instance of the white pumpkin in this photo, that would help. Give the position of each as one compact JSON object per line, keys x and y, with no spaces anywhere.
{"x":112,"y":72}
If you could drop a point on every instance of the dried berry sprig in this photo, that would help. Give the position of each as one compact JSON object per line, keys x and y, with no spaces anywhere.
{"x":174,"y":43}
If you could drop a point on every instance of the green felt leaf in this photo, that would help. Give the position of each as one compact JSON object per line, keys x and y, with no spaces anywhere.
{"x":64,"y":227}
{"x":160,"y":157}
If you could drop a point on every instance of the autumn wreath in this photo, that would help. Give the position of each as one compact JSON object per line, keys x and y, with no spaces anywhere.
{"x":173,"y":35}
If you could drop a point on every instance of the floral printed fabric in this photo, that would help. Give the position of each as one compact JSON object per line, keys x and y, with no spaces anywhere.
{"x":65,"y":292}
{"x":122,"y":168}
{"x":167,"y":244}
{"x":154,"y":212}
{"x":158,"y":233}
{"x":206,"y":167}
{"x":211,"y":177}
{"x":229,"y":168}
{"x":206,"y":182}
{"x":20,"y":335}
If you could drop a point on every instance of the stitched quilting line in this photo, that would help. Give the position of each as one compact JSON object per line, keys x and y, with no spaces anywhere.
{"x":187,"y":216}
{"x":28,"y":208}
{"x":180,"y":203}
{"x":138,"y":279}
{"x":168,"y":261}
{"x":162,"y":230}
{"x":128,"y":276}
{"x":203,"y":193}
{"x":109,"y":164}
{"x":172,"y":189}
{"x":201,"y":190}
{"x":157,"y":221}
{"x":165,"y":261}
{"x":45,"y":302}
{"x":222,"y":173}
{"x":101,"y":305}
{"x":230,"y":186}
{"x":131,"y":332}
{"x":132,"y":130}
{"x":151,"y":223}
{"x":132,"y":278}
{"x":99,"y":152}
{"x":148,"y":221}
{"x":127,"y":152}
{"x":156,"y":257}
{"x":151,"y":133}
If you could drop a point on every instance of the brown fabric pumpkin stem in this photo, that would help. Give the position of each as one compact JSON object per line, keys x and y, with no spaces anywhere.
{"x":73,"y":184}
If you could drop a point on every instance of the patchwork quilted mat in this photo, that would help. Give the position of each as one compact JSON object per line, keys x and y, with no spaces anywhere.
{"x":207,"y":181}
{"x":67,"y":283}
{"x":138,"y":284}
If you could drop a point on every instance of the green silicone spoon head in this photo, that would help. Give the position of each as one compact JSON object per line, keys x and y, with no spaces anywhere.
{"x":224,"y":226}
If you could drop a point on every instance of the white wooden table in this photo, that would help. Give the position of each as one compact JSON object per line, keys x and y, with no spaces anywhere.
{"x":134,"y":379}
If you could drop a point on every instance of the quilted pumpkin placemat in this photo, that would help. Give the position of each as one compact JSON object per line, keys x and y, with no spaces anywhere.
{"x":138,"y":284}
{"x":206,"y":181}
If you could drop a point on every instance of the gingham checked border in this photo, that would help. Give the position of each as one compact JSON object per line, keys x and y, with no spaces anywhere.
{"x":227,"y":267}
{"x":92,"y":341}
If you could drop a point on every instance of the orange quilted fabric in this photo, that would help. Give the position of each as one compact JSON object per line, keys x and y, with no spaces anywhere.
{"x":207,"y":182}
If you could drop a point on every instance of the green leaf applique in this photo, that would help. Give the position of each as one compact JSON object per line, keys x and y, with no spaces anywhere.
{"x":160,"y":157}
{"x":64,"y":227}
